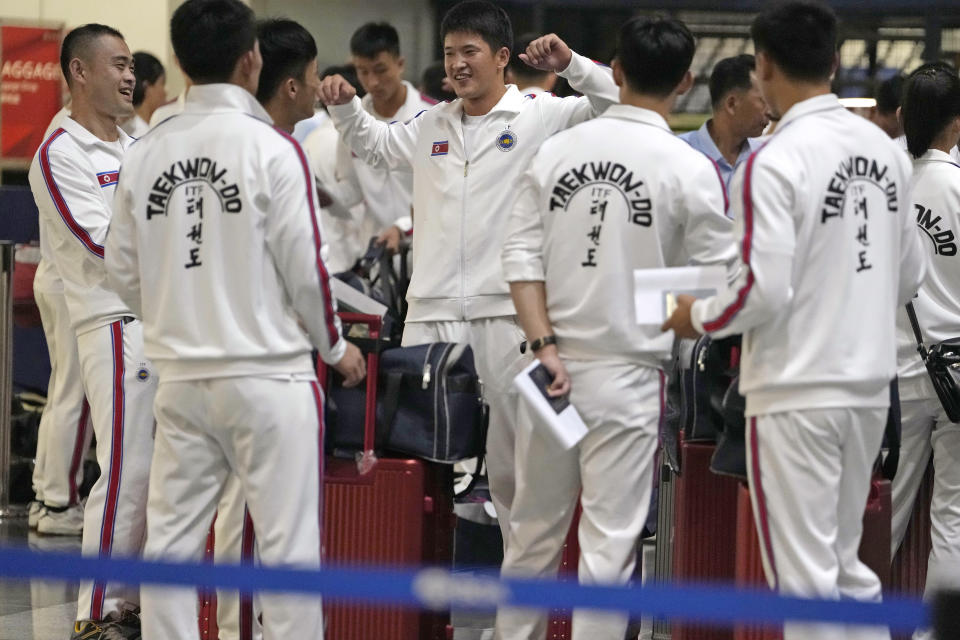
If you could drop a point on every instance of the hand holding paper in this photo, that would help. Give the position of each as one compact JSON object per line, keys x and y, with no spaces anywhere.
{"x":555,"y":412}
{"x":548,"y":357}
{"x":679,"y":319}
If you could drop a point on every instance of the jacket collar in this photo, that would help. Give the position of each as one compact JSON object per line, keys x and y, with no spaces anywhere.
{"x":206,"y":98}
{"x":935,"y":155}
{"x":510,"y":102}
{"x":82,"y":135}
{"x":636,"y":114}
{"x":825,"y":102}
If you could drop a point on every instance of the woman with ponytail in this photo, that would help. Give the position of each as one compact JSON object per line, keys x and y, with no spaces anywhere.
{"x":930,"y":114}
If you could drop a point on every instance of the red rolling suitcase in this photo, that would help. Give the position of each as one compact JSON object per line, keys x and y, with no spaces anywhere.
{"x":559,"y":627}
{"x":874,"y":548}
{"x":398,"y":513}
{"x":704,"y":530}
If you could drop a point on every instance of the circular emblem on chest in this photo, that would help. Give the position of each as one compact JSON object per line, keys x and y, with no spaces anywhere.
{"x":143,"y":374}
{"x":507,"y":140}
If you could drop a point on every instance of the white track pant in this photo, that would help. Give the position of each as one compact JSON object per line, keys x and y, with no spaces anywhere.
{"x":65,"y":431}
{"x":496,"y":351}
{"x":120,"y":385}
{"x":269,"y":433}
{"x":809,"y":477}
{"x":611,"y":470}
{"x":927,"y":430}
{"x":235,"y":543}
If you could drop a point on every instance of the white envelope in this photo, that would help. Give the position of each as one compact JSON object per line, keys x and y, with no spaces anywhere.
{"x":557,"y":414}
{"x":656,"y":289}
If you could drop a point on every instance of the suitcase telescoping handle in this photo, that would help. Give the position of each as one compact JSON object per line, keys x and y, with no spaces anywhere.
{"x":374,"y":326}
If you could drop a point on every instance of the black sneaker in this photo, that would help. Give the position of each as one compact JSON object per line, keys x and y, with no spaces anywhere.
{"x":125,"y":626}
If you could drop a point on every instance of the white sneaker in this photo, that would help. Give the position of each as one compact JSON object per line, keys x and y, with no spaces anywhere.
{"x":62,"y":523}
{"x":35,"y":510}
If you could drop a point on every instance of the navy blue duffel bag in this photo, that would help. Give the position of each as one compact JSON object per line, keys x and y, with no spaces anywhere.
{"x":429,"y":405}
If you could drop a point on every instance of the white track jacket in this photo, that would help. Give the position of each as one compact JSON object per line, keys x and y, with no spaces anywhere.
{"x":829,"y":249}
{"x":600,"y":200}
{"x":73,"y":178}
{"x":462,"y":198}
{"x":216,"y":242}
{"x":936,"y":211}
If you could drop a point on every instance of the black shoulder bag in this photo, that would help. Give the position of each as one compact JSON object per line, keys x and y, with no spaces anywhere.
{"x":943,"y":364}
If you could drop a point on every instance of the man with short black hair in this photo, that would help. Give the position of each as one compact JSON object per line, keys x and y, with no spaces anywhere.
{"x":528,"y":79}
{"x":599,"y":201}
{"x":289,"y":84}
{"x":829,"y":249}
{"x":216,"y":239}
{"x":387,"y":194}
{"x":467,"y":157}
{"x":884,"y":115}
{"x":739,"y":116}
{"x":73,"y":177}
{"x":287,"y":90}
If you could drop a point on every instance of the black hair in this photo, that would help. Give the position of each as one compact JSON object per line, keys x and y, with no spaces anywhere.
{"x":210,"y":36}
{"x":800,"y":36}
{"x":148,"y":70}
{"x":890,"y":93}
{"x":517,"y":66}
{"x":654,"y":54}
{"x":431,"y":82}
{"x":287,"y":48}
{"x":731,"y":74}
{"x":77,"y":41}
{"x":483,"y":18}
{"x":931,"y":99}
{"x":349,"y":73}
{"x":374,"y":38}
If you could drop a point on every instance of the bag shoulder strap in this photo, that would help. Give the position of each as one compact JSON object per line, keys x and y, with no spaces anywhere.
{"x":915,"y":324}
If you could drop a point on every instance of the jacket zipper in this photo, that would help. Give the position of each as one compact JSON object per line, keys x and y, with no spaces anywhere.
{"x":463,"y":242}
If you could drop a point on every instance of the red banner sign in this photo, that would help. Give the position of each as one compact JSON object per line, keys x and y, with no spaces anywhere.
{"x":29,"y":87}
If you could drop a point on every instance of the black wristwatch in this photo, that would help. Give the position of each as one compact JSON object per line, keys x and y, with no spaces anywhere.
{"x":540,"y":343}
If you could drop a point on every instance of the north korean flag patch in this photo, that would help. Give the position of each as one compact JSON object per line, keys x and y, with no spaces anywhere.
{"x":440,"y":148}
{"x":108,"y":178}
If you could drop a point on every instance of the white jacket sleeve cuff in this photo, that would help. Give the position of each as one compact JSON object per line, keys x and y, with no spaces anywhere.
{"x":520,"y":266}
{"x":697,"y":312}
{"x":340,"y":112}
{"x":578,"y":69}
{"x":336,"y":353}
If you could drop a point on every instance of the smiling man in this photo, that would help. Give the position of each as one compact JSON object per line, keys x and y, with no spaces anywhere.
{"x":467,"y":157}
{"x":73,"y":178}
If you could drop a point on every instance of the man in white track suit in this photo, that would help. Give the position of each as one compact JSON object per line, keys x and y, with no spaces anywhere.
{"x":73,"y":177}
{"x":467,"y":157}
{"x":632,"y":196}
{"x":216,"y":240}
{"x":829,"y":249}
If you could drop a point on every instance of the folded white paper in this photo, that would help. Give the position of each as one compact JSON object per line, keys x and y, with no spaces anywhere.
{"x":557,"y":414}
{"x":349,"y":299}
{"x":655,"y":290}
